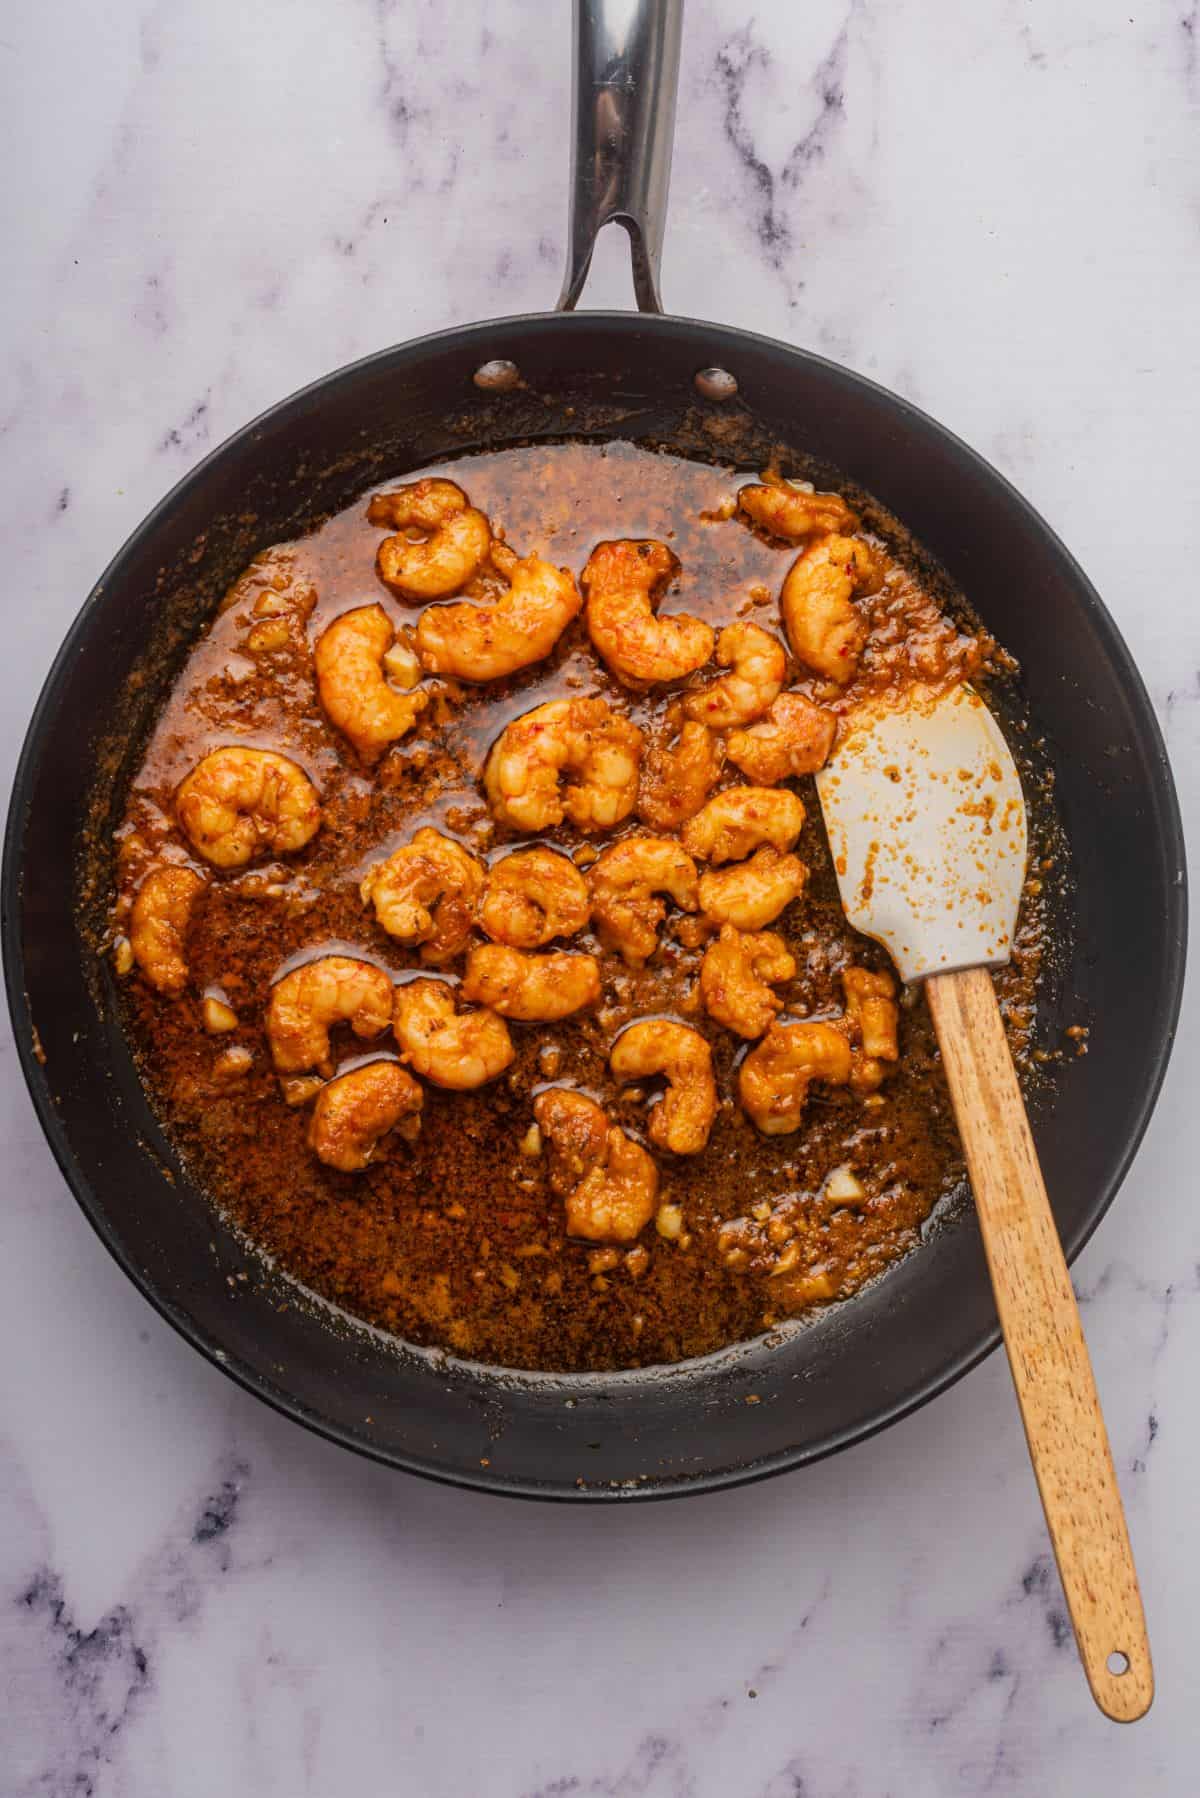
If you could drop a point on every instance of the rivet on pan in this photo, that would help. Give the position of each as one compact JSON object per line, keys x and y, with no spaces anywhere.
{"x":497,"y":377}
{"x":716,"y":383}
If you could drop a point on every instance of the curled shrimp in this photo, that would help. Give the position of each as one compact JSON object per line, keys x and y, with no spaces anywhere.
{"x":487,"y":642}
{"x":752,"y":894}
{"x":238,"y":801}
{"x":794,"y":738}
{"x":584,"y":737}
{"x":453,"y":550}
{"x":741,"y":819}
{"x":825,"y":630}
{"x":356,"y":1111}
{"x":622,"y":581}
{"x":874,"y":1018}
{"x":677,"y":777}
{"x":737,"y":974}
{"x":756,"y":665}
{"x":774,"y":1079}
{"x":162,"y":909}
{"x":794,"y":512}
{"x":308,"y":1002}
{"x":609,"y":1182}
{"x":531,"y":897}
{"x":426,"y":892}
{"x":531,"y":988}
{"x":456,"y":1049}
{"x":682,"y":1120}
{"x":349,"y":661}
{"x":625,"y":881}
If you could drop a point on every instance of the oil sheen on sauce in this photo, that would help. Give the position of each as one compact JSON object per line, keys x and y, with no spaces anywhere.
{"x":455,"y":1237}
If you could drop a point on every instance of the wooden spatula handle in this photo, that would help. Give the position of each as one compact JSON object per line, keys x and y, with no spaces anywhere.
{"x":1068,"y":1443}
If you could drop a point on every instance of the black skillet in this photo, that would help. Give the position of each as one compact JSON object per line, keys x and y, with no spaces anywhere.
{"x":857,"y":1367}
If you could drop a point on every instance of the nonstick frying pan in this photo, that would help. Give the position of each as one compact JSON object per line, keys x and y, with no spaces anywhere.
{"x":691,"y":386}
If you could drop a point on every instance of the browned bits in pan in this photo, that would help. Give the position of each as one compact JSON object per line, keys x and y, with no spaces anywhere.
{"x":509,"y":965}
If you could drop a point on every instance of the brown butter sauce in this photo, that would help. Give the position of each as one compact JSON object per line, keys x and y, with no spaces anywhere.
{"x":456,"y":1239}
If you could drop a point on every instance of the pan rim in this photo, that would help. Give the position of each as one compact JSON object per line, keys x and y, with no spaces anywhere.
{"x":1164,"y":806}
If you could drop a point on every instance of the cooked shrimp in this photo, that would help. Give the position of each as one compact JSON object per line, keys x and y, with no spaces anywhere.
{"x":794,"y":738}
{"x":774,"y":1079}
{"x":625,"y":880}
{"x":577,"y":1129}
{"x":609,"y":1181}
{"x":356,"y":1111}
{"x":238,"y":801}
{"x":584,"y":737}
{"x":158,"y":926}
{"x":683,"y":1119}
{"x":487,"y":642}
{"x":736,"y":976}
{"x":741,"y":819}
{"x":622,"y":581}
{"x":871,"y":1003}
{"x":457,"y":1049}
{"x":426,"y":892}
{"x":756,"y":665}
{"x":532,"y":896}
{"x":874,"y":1018}
{"x":454,"y":549}
{"x":794,"y":512}
{"x":349,"y":660}
{"x":825,"y":631}
{"x":532,"y":988}
{"x":752,"y":894}
{"x":308,"y":1002}
{"x":677,"y":777}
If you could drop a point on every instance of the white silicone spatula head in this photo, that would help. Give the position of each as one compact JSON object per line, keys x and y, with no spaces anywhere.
{"x":926,"y":821}
{"x":927,"y":824}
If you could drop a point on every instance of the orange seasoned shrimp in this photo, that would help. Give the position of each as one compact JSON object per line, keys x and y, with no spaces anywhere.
{"x":677,"y":777}
{"x":532,"y":896}
{"x":577,"y":1128}
{"x":752,"y":894}
{"x":531,"y":988}
{"x":487,"y":642}
{"x":622,"y":581}
{"x":736,"y":976}
{"x":741,"y":819}
{"x":426,"y":892}
{"x":453,"y":551}
{"x":350,"y":659}
{"x":874,"y":1018}
{"x":584,"y":737}
{"x":308,"y":1002}
{"x":625,"y":881}
{"x":158,"y":926}
{"x":774,"y":1079}
{"x":356,"y":1111}
{"x":794,"y":738}
{"x":683,"y":1119}
{"x":456,"y":1049}
{"x":609,"y":1181}
{"x":756,"y":665}
{"x":794,"y":511}
{"x":238,"y":801}
{"x":825,"y":630}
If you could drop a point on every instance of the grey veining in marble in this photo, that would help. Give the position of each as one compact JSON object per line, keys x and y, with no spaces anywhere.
{"x":994,"y":209}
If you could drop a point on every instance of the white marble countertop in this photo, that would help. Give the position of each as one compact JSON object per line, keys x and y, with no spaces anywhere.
{"x":994,"y":210}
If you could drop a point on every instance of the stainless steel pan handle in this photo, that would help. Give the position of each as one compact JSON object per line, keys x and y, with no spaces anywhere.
{"x":626,"y":80}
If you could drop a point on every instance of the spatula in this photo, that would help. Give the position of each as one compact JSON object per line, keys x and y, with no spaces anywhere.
{"x":926,"y":821}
